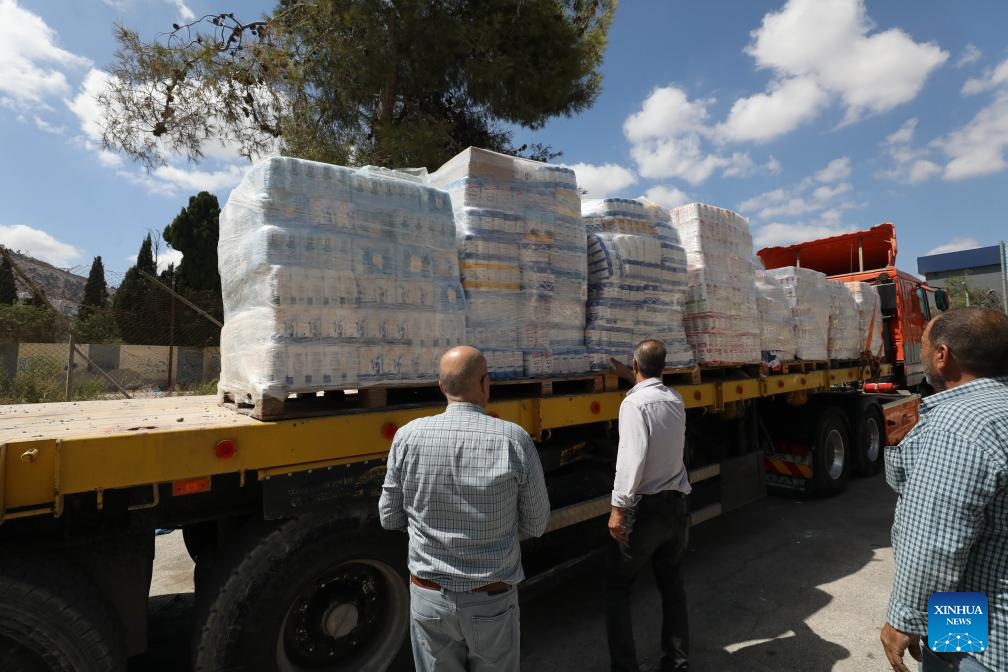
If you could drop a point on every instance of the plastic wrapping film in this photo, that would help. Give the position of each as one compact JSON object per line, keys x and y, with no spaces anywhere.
{"x":521,"y":246}
{"x":636,"y":282}
{"x":721,"y":322}
{"x":869,"y":307}
{"x":808,"y":295}
{"x":844,"y":331}
{"x":335,"y":278}
{"x":777,"y":332}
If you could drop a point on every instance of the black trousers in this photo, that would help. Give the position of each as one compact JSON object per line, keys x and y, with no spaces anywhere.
{"x":660,"y":534}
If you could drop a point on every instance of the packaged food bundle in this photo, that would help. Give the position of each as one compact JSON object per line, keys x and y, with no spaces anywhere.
{"x":721,"y":321}
{"x":809,"y":298}
{"x":777,"y":332}
{"x":636,"y":282}
{"x":521,"y":247}
{"x":869,"y":307}
{"x":334,"y":278}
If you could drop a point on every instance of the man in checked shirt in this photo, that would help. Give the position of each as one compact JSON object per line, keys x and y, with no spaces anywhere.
{"x":466,"y":486}
{"x":650,"y":515}
{"x":951,"y":472}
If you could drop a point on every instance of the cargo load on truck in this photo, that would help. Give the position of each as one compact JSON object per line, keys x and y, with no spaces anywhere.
{"x":869,"y":317}
{"x":636,"y":282}
{"x":721,"y":322}
{"x":844,"y":340}
{"x":777,"y":330}
{"x":335,"y":278}
{"x":808,"y":296}
{"x":524,"y":267}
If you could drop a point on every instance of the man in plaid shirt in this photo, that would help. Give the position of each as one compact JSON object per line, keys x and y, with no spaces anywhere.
{"x":951,"y":471}
{"x":465,"y":485}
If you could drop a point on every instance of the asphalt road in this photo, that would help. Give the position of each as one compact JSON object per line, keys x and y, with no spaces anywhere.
{"x":787,"y":584}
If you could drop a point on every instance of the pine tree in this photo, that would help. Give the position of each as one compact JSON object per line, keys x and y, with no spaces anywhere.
{"x":8,"y":288}
{"x":95,"y":291}
{"x":138,"y":313}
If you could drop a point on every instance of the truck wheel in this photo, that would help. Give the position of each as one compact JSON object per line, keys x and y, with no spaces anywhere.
{"x":53,"y":620}
{"x":869,"y":437}
{"x":831,"y":452}
{"x":311,"y":595}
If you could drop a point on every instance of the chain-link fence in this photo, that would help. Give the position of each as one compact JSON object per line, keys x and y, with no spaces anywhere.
{"x":161,"y":342}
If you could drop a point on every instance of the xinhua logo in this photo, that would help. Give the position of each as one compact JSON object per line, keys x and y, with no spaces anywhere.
{"x":957,"y":622}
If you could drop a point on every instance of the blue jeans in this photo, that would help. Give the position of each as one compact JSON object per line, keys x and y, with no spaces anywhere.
{"x":950,"y":662}
{"x":459,"y":632}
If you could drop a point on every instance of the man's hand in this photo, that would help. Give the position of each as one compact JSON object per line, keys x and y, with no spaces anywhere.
{"x":616,"y":526}
{"x":895,"y":643}
{"x":621,"y":370}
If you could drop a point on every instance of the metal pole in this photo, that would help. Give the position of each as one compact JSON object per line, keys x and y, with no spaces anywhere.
{"x":70,"y":368}
{"x":171,"y":330}
{"x":860,"y":254}
{"x":1004,"y":280}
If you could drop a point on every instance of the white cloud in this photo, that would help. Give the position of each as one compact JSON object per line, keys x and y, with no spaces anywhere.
{"x":818,"y":49}
{"x":39,"y":244}
{"x":970,"y":54}
{"x":910,"y":164}
{"x":600,"y":181}
{"x":670,"y":136}
{"x":905,"y":133}
{"x":667,"y":197}
{"x":44,"y":125}
{"x":837,"y":169}
{"x":992,"y":79}
{"x":773,"y":166}
{"x":779,"y":233}
{"x":31,"y":62}
{"x":782,"y":109}
{"x":955,"y":245}
{"x":200,"y":180}
{"x":185,"y":13}
{"x":978,"y":148}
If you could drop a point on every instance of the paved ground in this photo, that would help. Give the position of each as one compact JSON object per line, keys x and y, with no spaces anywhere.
{"x":786,"y":584}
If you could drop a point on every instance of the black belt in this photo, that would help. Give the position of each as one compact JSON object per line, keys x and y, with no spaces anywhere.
{"x":665,"y":494}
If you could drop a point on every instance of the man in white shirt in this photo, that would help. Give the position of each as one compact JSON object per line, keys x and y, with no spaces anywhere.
{"x":650,"y":514}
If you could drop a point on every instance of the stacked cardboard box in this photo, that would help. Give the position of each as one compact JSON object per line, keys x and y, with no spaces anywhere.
{"x":335,"y":278}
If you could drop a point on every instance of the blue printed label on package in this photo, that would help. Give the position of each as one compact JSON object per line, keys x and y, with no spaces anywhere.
{"x":957,"y":622}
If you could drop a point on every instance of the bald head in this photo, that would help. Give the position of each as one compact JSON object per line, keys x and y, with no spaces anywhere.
{"x":461,"y":375}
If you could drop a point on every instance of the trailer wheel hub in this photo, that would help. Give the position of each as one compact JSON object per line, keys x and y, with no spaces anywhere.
{"x":340,"y":620}
{"x":835,"y":454}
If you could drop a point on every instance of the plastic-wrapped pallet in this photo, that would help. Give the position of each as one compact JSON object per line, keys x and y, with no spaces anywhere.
{"x":808,"y":295}
{"x":636,"y":282}
{"x":522,"y":255}
{"x":721,"y":321}
{"x":335,"y":278}
{"x":777,"y":334}
{"x":844,"y":334}
{"x":869,"y":316}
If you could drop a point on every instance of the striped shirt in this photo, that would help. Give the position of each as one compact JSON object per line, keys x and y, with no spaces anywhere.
{"x":464,"y":485}
{"x":951,"y":527}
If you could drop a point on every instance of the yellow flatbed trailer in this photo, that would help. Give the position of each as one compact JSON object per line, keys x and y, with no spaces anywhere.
{"x":84,"y":485}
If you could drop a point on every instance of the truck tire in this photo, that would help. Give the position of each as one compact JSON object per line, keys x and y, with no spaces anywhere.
{"x":311,"y":594}
{"x":831,"y":452}
{"x":868,"y":439}
{"x":52,"y":619}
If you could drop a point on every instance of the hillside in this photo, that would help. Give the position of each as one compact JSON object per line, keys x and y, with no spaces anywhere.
{"x":64,"y":289}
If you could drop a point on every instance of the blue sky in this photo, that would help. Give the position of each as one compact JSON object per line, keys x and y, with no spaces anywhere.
{"x":811,"y":117}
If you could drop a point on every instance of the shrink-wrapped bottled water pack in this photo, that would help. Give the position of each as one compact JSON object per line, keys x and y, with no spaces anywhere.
{"x":335,"y":278}
{"x":777,"y":333}
{"x":844,"y":331}
{"x":869,"y":307}
{"x":636,"y":282}
{"x":521,"y":247}
{"x":721,"y":322}
{"x":809,"y":298}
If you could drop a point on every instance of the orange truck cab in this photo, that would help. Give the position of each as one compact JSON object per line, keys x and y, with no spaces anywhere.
{"x":870,"y":256}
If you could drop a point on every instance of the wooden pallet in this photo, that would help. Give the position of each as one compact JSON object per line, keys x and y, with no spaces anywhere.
{"x":731,"y":372}
{"x":805,"y":365}
{"x":610,"y":382}
{"x":340,"y":401}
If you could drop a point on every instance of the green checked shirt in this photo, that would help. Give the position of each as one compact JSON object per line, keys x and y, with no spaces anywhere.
{"x":951,"y":526}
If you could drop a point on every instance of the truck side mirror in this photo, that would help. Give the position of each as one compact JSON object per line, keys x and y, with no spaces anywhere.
{"x":941,"y":300}
{"x":887,"y":297}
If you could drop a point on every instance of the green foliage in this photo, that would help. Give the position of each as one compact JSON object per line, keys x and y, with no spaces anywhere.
{"x":387,"y":82}
{"x":962,"y":294}
{"x":29,"y":324}
{"x":95,"y":291}
{"x":8,"y":288}
{"x":194,"y":233}
{"x":138,"y":314}
{"x":38,"y":380}
{"x":100,"y":326}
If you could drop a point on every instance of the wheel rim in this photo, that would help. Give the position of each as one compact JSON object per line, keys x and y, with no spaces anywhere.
{"x":351,"y":617}
{"x":835,"y":454}
{"x":873,"y":439}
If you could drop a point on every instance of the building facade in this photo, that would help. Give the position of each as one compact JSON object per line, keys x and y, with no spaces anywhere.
{"x":981,"y":267}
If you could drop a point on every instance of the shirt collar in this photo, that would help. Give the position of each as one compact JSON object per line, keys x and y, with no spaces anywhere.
{"x":978,"y":385}
{"x":464,"y":407}
{"x":650,"y":382}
